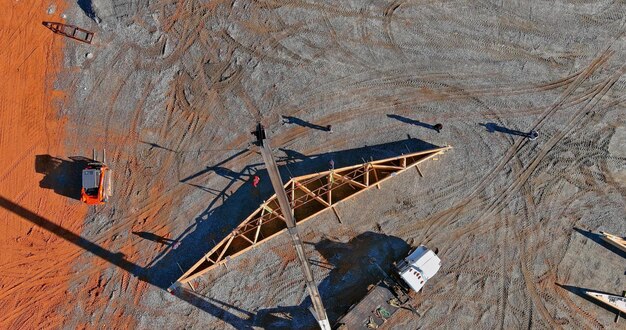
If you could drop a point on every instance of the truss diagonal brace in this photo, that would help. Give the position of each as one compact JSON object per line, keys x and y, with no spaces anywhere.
{"x":348,"y":180}
{"x":262,"y":224}
{"x":310,"y":193}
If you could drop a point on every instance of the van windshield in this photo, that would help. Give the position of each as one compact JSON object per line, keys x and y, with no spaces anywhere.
{"x":92,"y":191}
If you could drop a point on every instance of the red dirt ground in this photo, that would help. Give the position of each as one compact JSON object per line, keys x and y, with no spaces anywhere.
{"x":35,"y":263}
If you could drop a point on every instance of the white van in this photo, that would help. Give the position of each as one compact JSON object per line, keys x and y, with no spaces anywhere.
{"x":418,"y":267}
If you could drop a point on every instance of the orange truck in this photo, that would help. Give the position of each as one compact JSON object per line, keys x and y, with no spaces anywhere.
{"x":96,"y":188}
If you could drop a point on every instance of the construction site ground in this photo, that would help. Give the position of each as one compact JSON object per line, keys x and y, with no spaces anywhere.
{"x":172,"y":89}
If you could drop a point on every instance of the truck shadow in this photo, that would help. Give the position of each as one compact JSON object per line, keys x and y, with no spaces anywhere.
{"x":238,"y":199}
{"x":355,"y":265}
{"x":61,"y":175}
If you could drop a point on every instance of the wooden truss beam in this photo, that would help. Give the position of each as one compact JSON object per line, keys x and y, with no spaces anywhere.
{"x":616,"y":241}
{"x":309,"y":195}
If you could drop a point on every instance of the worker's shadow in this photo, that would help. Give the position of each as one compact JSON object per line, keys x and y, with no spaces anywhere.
{"x":303,"y":123}
{"x":411,"y":121}
{"x":61,"y":175}
{"x":493,"y":127}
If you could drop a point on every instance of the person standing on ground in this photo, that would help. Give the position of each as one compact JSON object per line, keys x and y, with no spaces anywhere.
{"x":438,"y":127}
{"x":256,"y":192}
{"x":255,"y":181}
{"x":533,"y":135}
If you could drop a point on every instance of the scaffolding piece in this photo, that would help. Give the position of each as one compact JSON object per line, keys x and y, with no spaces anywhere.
{"x":308,"y":195}
{"x":70,"y":31}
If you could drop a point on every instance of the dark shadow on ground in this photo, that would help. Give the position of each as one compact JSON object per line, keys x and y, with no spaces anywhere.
{"x":212,"y":307}
{"x":154,"y":237}
{"x":87,"y":8}
{"x":411,"y":121}
{"x":118,"y":259}
{"x":581,"y":293}
{"x":61,"y":175}
{"x":280,"y":317}
{"x":212,"y":168}
{"x":300,"y":122}
{"x":285,"y":317}
{"x":598,"y":239}
{"x":238,"y":199}
{"x":493,"y":127}
{"x":157,"y":146}
{"x":291,"y":156}
{"x":364,"y":260}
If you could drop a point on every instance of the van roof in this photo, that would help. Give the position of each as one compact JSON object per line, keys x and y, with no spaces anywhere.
{"x":422,"y":264}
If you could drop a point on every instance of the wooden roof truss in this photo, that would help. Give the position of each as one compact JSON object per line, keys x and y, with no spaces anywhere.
{"x":308,"y":195}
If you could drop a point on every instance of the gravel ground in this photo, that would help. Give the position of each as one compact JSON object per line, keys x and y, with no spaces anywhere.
{"x":174,"y":88}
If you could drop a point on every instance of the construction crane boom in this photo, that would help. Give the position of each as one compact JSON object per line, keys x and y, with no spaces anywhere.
{"x":283,"y":201}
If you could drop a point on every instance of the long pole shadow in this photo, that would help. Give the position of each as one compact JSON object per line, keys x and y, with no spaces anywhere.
{"x":154,"y":238}
{"x":118,"y":259}
{"x":157,"y":146}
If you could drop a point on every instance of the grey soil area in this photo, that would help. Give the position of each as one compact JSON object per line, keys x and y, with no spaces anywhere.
{"x":173,"y":88}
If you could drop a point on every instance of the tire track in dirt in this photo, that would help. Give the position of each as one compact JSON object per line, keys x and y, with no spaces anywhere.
{"x":554,"y":140}
{"x":184,"y":115}
{"x":513,"y":150}
{"x":526,"y":265}
{"x":448,"y":93}
{"x":388,"y":14}
{"x":496,"y":206}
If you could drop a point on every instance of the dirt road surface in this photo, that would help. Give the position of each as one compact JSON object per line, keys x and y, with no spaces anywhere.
{"x":172,"y":89}
{"x":36,"y":197}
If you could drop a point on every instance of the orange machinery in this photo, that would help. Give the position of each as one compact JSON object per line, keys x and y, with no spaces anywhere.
{"x":96,"y":188}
